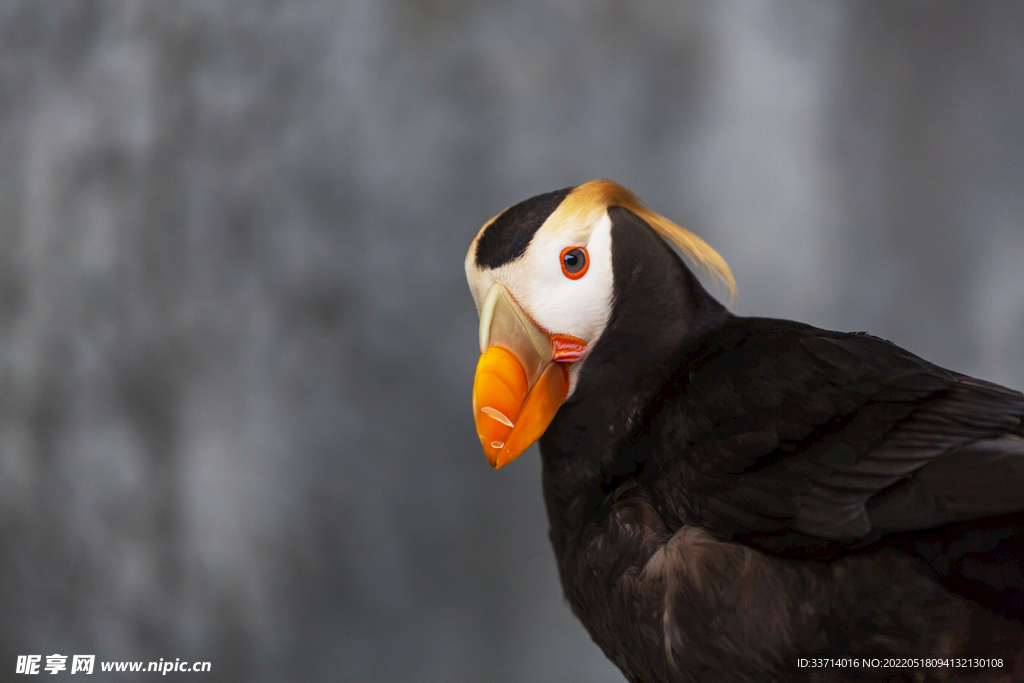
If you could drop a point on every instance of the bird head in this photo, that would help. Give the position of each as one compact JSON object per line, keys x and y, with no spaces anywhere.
{"x":541,"y":273}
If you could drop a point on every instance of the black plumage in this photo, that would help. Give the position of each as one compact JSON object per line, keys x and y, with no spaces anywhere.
{"x":729,"y":494}
{"x":506,"y":237}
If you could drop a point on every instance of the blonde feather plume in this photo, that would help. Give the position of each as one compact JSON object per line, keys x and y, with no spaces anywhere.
{"x":605,"y":194}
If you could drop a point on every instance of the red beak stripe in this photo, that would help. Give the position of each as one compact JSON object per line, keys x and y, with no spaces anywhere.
{"x":566,"y":348}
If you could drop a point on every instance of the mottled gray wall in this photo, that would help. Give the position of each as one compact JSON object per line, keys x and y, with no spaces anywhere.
{"x":236,"y":344}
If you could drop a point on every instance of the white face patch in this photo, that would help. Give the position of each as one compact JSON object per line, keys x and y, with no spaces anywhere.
{"x":581,"y":307}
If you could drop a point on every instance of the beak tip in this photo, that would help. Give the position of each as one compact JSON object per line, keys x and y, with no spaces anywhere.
{"x":491,"y":452}
{"x":502,"y":459}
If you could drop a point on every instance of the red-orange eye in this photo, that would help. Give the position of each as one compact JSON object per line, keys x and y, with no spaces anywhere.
{"x":575,"y":261}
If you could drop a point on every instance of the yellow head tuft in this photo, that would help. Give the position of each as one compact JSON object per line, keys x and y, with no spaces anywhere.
{"x":605,"y":194}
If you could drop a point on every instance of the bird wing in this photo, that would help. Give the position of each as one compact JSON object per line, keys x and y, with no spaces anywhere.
{"x":799,"y":440}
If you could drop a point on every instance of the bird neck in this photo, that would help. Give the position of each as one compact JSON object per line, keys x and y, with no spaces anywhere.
{"x":660,"y":313}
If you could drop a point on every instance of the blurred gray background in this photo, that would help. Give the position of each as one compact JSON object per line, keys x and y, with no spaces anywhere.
{"x":237,"y":346}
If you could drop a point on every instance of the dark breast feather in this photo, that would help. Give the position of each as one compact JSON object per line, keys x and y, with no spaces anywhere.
{"x":789,"y":491}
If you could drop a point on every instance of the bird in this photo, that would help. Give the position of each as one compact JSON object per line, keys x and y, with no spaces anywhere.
{"x":736,"y":498}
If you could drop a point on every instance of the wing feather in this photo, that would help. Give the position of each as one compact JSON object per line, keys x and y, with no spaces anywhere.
{"x":836,"y":437}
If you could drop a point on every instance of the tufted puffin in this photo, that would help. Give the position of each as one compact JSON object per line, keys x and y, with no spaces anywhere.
{"x":740,"y":498}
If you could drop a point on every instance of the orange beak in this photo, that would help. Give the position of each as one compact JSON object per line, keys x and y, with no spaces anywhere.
{"x":521,"y":378}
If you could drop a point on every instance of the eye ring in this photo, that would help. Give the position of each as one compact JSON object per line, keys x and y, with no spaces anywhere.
{"x":575,"y":262}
